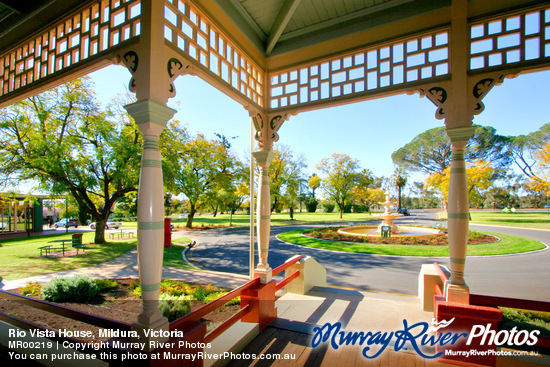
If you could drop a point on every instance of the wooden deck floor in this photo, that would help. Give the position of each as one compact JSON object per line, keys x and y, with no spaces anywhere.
{"x":296,"y":347}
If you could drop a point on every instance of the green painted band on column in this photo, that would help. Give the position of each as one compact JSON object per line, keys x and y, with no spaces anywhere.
{"x":150,"y":287}
{"x":150,"y":143}
{"x":455,"y":260}
{"x":458,"y":215}
{"x":458,"y":170}
{"x":265,"y":182}
{"x":457,"y":156}
{"x":150,"y":225}
{"x":264,"y":250}
{"x":151,"y":163}
{"x":265,"y":217}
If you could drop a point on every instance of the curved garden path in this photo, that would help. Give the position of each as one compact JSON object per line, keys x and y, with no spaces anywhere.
{"x":517,"y":276}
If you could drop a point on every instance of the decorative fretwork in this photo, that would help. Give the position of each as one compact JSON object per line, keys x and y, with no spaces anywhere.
{"x":75,"y":38}
{"x":510,"y":41}
{"x":188,"y":29}
{"x":439,"y":96}
{"x":363,"y":72}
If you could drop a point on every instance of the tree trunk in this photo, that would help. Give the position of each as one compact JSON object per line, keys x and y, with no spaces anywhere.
{"x":398,"y":197}
{"x":100,"y":230}
{"x":215,"y":208}
{"x":190,"y":216}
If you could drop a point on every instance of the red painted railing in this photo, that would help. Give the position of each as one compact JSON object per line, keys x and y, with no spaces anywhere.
{"x":523,"y":304}
{"x":492,"y":301}
{"x":195,"y":316}
{"x":287,"y":264}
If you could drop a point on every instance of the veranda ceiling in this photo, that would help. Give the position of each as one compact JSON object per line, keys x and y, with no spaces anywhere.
{"x":274,"y":34}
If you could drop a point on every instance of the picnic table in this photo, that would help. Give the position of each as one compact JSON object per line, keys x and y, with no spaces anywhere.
{"x":62,"y":244}
{"x":46,"y":249}
{"x":121,"y":234}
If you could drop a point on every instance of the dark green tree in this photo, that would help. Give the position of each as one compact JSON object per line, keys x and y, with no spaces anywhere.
{"x":64,"y":140}
{"x":430,"y":151}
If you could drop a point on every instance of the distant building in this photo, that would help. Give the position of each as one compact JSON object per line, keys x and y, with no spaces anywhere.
{"x":21,"y":213}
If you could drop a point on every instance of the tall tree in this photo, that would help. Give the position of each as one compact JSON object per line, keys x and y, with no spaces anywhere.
{"x":285,"y":170}
{"x":524,"y":149}
{"x":399,"y":179}
{"x":193,"y":166}
{"x":481,"y":176}
{"x":540,"y":181}
{"x":64,"y":140}
{"x":341,"y":176}
{"x":430,"y":151}
{"x":314,"y":182}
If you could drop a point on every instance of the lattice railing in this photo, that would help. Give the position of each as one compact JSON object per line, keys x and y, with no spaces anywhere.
{"x":511,"y":40}
{"x":96,"y":28}
{"x":194,"y":34}
{"x":368,"y":70}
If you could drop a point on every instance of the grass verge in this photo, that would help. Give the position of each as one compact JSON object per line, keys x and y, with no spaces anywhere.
{"x":508,"y":245}
{"x":172,"y":255}
{"x":517,"y":219}
{"x":20,"y":258}
{"x":277,"y":219}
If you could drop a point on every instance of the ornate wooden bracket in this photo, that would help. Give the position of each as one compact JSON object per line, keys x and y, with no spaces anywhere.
{"x":479,"y":89}
{"x":176,"y":68}
{"x":131,"y":60}
{"x":438,"y":95}
{"x":267,"y":126}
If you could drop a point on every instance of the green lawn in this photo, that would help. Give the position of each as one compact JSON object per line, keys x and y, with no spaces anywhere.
{"x":277,"y":219}
{"x":508,"y":245}
{"x":172,"y":255}
{"x":518,"y":219}
{"x":19,"y":258}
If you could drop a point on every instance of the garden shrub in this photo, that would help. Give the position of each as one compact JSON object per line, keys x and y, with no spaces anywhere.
{"x":106,"y":284}
{"x":215,"y":295}
{"x":347,"y":208}
{"x":31,"y":289}
{"x":73,"y":289}
{"x":328,"y":207}
{"x":360,"y":208}
{"x":174,"y":307}
{"x":311,"y":204}
{"x":199,"y":293}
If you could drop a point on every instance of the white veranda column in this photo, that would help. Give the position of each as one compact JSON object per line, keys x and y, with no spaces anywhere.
{"x":264,"y":158}
{"x":458,"y":215}
{"x":151,"y":117}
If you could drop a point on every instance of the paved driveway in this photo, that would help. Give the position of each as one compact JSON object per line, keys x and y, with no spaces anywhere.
{"x":518,"y":276}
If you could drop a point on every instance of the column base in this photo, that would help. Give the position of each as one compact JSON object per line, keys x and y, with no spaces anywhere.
{"x":265,"y":275}
{"x":457,"y":293}
{"x":155,"y":333}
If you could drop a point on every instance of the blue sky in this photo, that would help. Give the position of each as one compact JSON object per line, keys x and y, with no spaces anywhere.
{"x":369,"y":131}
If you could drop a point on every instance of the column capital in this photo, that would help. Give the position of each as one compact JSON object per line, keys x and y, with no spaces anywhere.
{"x":460,"y":134}
{"x":147,"y":110}
{"x":264,"y":156}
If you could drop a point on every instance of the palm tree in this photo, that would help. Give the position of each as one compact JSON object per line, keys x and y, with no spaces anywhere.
{"x":399,"y":179}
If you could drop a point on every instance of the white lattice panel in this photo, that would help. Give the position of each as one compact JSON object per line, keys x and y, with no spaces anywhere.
{"x":75,"y":38}
{"x":362,"y":72}
{"x":194,"y":34}
{"x":511,"y":40}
